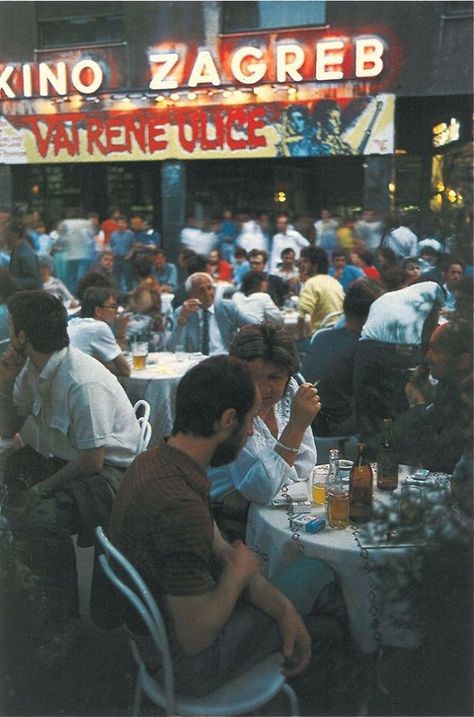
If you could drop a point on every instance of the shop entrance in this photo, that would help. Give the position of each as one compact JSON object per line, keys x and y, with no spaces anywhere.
{"x":297,"y":186}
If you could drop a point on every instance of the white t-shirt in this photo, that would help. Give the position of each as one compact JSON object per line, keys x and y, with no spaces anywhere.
{"x":200,"y":242}
{"x":397,"y":317}
{"x":252,"y":237}
{"x":95,"y":338}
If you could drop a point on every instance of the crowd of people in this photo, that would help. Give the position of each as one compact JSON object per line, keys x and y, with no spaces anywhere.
{"x":391,"y":337}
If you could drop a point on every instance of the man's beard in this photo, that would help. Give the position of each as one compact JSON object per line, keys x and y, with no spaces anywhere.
{"x":228,"y":451}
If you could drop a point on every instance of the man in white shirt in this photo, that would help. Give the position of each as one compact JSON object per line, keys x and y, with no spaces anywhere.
{"x":92,"y":333}
{"x":194,"y":238}
{"x":326,"y":228}
{"x":252,"y":236}
{"x":201,"y":324}
{"x":88,"y":435}
{"x":399,"y":324}
{"x":285,"y":238}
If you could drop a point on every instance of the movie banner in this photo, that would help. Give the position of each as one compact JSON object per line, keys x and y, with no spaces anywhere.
{"x":326,"y":127}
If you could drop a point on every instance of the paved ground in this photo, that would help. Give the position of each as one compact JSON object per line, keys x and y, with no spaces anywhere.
{"x":97,"y":679}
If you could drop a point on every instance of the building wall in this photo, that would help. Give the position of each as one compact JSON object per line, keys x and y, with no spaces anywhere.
{"x":436,"y":49}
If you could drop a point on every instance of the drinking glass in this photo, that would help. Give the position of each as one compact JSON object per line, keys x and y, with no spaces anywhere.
{"x":318,"y":494}
{"x":139,"y":354}
{"x":337,"y":507}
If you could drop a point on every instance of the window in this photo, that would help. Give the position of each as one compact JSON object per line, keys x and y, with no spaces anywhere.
{"x":61,"y":24}
{"x":267,"y":14}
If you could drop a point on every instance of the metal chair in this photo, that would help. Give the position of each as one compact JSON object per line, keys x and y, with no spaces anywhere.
{"x":239,"y":696}
{"x":145,"y":427}
{"x":327,"y":323}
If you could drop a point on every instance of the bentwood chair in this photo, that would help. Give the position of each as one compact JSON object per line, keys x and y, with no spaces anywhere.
{"x":243,"y":694}
{"x":143,"y":421}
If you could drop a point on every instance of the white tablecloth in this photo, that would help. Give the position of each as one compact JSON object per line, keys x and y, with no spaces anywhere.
{"x":292,"y":326}
{"x":268,"y":532}
{"x":157,"y":384}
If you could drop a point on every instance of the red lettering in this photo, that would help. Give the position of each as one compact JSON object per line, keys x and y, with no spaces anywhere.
{"x":238,"y":117}
{"x":41,"y":142}
{"x":136,"y":129}
{"x":191,"y":122}
{"x":155,"y":131}
{"x":211,"y":142}
{"x":256,"y":120}
{"x":95,"y":128}
{"x":62,"y":140}
{"x":114,"y":131}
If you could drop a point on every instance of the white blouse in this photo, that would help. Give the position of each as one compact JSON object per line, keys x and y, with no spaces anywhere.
{"x":259,"y":472}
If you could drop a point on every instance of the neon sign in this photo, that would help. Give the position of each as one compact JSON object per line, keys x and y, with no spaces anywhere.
{"x":326,"y":60}
{"x":244,"y":62}
{"x":43,"y":79}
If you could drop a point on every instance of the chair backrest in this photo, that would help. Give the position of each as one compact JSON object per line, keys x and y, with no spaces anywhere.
{"x":330,"y":319}
{"x":145,"y":426}
{"x":139,"y":596}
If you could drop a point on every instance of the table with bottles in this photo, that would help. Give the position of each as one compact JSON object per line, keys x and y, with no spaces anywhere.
{"x":354,"y":553}
{"x":157,"y":383}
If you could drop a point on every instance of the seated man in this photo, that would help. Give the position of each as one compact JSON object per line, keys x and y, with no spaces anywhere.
{"x":330,"y":360}
{"x":430,"y":432}
{"x":92,"y":333}
{"x":222,"y":615}
{"x":397,"y":328}
{"x":88,"y":435}
{"x":165,"y":272}
{"x":201,"y":324}
{"x":288,"y":271}
{"x":52,"y":284}
{"x":345,"y":273}
{"x":277,"y":288}
{"x":452,"y":275}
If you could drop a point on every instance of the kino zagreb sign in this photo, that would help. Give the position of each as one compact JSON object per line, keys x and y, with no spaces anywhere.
{"x":174,"y":65}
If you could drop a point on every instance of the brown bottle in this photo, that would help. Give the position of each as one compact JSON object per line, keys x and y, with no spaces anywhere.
{"x":361,"y":485}
{"x":387,"y":466}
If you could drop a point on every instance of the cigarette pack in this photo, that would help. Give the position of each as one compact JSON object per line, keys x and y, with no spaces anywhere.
{"x":292,"y":506}
{"x":309,"y":523}
{"x":299,"y":507}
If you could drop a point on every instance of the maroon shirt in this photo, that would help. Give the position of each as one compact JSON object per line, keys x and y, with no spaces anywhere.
{"x":162,"y":522}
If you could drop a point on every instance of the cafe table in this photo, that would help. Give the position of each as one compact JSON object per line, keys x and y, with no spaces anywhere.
{"x":157,"y":384}
{"x":293,"y":329}
{"x":376,"y":618}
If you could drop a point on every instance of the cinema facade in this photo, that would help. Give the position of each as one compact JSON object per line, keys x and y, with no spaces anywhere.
{"x":188,"y":107}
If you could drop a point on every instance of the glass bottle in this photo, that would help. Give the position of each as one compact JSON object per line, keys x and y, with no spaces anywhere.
{"x":361,"y":486}
{"x":337,"y":494}
{"x":387,"y":466}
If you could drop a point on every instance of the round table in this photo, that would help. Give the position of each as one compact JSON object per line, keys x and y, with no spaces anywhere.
{"x":293,"y":329}
{"x":157,"y":384}
{"x":352,"y":558}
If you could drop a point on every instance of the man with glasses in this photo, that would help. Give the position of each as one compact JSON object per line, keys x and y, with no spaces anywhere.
{"x":277,"y":288}
{"x":201,"y":324}
{"x":92,"y":332}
